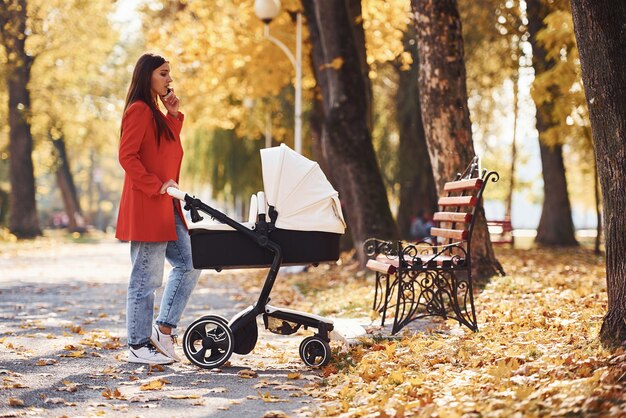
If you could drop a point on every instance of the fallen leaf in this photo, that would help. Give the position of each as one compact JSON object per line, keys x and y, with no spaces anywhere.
{"x":156,"y":368}
{"x":143,"y":398}
{"x":269,"y":398}
{"x":16,"y":402}
{"x":76,"y":354}
{"x":247,"y":374}
{"x":154,"y":384}
{"x":288,"y":387}
{"x":46,"y":362}
{"x":115,"y":394}
{"x":68,"y":386}
{"x":275,"y":414}
{"x":77,"y":329}
{"x":183,"y":396}
{"x":15,"y":386}
{"x":262,"y":384}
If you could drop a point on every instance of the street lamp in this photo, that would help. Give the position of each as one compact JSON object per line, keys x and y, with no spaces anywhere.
{"x":267,"y":10}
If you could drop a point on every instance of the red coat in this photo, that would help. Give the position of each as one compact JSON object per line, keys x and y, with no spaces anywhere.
{"x":145,"y":214}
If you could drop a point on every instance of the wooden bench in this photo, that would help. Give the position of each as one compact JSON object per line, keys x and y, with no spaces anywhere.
{"x":501,"y":231}
{"x":432,"y":277}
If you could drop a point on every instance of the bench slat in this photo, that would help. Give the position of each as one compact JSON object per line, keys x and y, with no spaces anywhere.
{"x":380,"y":267}
{"x":382,"y":258}
{"x":469,"y":184}
{"x":459,"y":234}
{"x":458,"y":201}
{"x":452,"y":217}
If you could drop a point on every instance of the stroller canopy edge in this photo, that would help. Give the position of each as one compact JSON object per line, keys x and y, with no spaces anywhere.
{"x":298,"y":189}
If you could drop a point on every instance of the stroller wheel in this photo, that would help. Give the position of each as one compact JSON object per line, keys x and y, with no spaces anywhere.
{"x":314,"y":351}
{"x":208,"y":342}
{"x":217,"y":318}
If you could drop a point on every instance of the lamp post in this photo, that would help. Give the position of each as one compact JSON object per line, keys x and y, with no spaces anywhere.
{"x":267,"y":10}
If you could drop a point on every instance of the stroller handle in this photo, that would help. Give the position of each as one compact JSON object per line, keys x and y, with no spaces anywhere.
{"x":176,"y":193}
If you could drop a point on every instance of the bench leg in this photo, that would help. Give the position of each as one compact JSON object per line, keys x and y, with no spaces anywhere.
{"x":386,"y":285}
{"x":406,"y":303}
{"x":463,"y":299}
{"x":446,"y":294}
{"x":380,"y":295}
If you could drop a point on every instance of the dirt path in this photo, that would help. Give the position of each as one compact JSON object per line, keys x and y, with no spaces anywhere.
{"x":62,"y":345}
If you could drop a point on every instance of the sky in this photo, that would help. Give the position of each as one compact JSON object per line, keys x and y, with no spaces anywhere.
{"x":128,"y":18}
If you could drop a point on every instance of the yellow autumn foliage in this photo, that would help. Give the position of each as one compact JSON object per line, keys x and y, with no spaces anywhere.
{"x":228,"y":73}
{"x":73,"y":80}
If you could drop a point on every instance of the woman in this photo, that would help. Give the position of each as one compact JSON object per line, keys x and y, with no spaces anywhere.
{"x":150,"y":152}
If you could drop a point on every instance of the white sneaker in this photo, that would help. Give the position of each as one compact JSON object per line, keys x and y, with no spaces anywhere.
{"x":147,"y":354}
{"x":164,"y":343}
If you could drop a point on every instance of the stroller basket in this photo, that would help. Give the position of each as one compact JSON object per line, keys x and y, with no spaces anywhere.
{"x":231,"y":249}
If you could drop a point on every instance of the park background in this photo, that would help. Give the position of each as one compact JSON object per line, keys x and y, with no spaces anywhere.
{"x":237,"y":88}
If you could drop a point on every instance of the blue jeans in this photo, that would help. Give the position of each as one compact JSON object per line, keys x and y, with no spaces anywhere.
{"x":148,"y":259}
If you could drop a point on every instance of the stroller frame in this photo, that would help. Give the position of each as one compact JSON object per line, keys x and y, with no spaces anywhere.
{"x":210,"y":340}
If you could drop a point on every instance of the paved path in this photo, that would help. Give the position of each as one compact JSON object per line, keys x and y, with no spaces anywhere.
{"x":62,"y":345}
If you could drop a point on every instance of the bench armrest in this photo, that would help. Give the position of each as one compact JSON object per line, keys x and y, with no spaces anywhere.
{"x":426,"y":255}
{"x":375,"y":246}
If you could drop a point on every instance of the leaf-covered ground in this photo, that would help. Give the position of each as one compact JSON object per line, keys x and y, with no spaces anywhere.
{"x":536,"y":354}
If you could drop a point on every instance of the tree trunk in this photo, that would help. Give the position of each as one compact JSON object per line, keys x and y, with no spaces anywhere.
{"x":341,"y":70}
{"x":317,"y":124}
{"x":23,"y":220}
{"x":555,"y":225}
{"x":4,"y":207}
{"x":65,"y":181}
{"x":445,"y":114}
{"x":508,"y":208}
{"x":417,"y":185}
{"x":599,"y":29}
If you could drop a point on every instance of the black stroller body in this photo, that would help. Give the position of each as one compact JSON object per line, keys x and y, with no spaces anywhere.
{"x":301,"y":224}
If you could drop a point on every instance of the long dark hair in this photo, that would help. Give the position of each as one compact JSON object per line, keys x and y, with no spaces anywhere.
{"x":140,"y":89}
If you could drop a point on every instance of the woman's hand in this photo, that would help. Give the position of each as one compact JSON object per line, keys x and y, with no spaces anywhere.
{"x":169,"y":183}
{"x":171,"y":102}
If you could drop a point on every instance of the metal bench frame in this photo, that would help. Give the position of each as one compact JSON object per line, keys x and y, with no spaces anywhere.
{"x":431,"y":278}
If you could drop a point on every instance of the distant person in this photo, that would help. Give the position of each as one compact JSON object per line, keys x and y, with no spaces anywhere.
{"x":150,"y":153}
{"x":421,"y":225}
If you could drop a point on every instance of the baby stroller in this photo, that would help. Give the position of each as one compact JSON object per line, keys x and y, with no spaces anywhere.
{"x":301,"y":224}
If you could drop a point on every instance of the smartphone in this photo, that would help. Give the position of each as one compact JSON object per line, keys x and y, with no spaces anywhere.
{"x":169,"y":90}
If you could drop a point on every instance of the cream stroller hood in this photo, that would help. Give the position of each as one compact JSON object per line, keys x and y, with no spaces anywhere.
{"x":300,"y":192}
